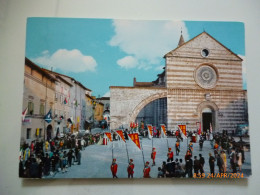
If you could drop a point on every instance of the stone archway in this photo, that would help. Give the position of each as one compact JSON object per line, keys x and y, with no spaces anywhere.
{"x":143,"y":103}
{"x":208,"y":109}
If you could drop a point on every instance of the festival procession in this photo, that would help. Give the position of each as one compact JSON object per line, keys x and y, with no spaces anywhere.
{"x":191,"y":121}
{"x":137,"y":152}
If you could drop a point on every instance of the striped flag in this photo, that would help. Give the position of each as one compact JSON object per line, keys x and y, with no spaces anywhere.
{"x":109,"y":136}
{"x":120,"y":133}
{"x":135,"y":138}
{"x":150,"y":131}
{"x":24,"y":114}
{"x":163,"y":131}
{"x":183,"y":131}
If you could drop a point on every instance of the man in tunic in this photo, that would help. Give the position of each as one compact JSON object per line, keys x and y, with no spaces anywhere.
{"x":113,"y":168}
{"x":147,"y":170}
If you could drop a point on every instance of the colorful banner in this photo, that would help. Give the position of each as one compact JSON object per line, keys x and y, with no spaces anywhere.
{"x":109,"y":136}
{"x":120,"y":133}
{"x":183,"y":131}
{"x":48,"y":117}
{"x":150,"y":131}
{"x":24,"y":114}
{"x":163,"y":130}
{"x":135,"y":138}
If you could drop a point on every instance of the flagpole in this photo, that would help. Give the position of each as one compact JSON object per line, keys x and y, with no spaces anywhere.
{"x":167,"y":142}
{"x":44,"y":126}
{"x":142,"y":151}
{"x":126,"y":151}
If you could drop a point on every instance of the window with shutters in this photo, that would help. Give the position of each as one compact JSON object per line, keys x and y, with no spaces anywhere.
{"x":30,"y":108}
{"x":41,"y":109}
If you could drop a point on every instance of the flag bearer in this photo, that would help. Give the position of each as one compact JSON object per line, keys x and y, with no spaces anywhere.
{"x":153,"y":155}
{"x":147,"y":170}
{"x":114,"y":168}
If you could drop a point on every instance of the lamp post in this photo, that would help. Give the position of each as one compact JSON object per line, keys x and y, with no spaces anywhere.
{"x":93,"y":107}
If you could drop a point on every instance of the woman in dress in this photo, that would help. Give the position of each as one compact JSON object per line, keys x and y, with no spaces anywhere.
{"x":239,"y":160}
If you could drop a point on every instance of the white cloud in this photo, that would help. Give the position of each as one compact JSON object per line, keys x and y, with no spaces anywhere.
{"x":67,"y":60}
{"x":107,"y":94}
{"x":127,"y":62}
{"x":147,"y":41}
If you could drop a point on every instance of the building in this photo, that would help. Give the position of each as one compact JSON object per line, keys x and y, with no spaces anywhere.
{"x":61,"y":110}
{"x":79,"y":112}
{"x":38,"y":98}
{"x":106,"y":109}
{"x":201,"y":84}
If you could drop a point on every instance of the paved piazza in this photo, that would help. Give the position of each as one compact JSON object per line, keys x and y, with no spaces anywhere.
{"x":96,"y":159}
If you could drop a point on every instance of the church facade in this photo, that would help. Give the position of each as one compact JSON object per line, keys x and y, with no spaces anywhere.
{"x":201,"y":83}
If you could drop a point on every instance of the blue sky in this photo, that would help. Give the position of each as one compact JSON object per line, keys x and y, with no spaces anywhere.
{"x":102,"y":52}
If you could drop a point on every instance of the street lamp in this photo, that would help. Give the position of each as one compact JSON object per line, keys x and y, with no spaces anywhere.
{"x":93,"y":107}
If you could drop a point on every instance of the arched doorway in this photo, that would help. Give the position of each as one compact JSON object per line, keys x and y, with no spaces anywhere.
{"x":49,"y":132}
{"x":208,"y":116}
{"x":154,"y":113}
{"x":207,"y":119}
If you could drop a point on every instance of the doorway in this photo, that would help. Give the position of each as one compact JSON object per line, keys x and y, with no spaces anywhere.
{"x":207,"y":116}
{"x":49,"y":132}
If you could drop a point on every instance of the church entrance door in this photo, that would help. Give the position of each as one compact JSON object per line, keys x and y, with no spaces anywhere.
{"x":207,"y":117}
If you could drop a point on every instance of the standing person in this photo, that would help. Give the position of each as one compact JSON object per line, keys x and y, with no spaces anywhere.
{"x":182,"y":168}
{"x":147,"y":170}
{"x":196,"y":165}
{"x":239,"y":160}
{"x":202,"y":162}
{"x":46,"y":146}
{"x":177,"y":147}
{"x":79,"y":156}
{"x":224,"y":158}
{"x":233,"y":160}
{"x":188,"y":167}
{"x":130,"y":169}
{"x":191,"y":147}
{"x":220,"y":163}
{"x":170,"y":154}
{"x":113,"y":168}
{"x":32,"y":147}
{"x":201,"y":143}
{"x":212,"y":164}
{"x":26,"y":154}
{"x":47,"y":164}
{"x":70,"y":157}
{"x":153,"y":155}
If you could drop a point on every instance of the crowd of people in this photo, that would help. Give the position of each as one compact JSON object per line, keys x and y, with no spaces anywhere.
{"x":224,"y":149}
{"x":41,"y":159}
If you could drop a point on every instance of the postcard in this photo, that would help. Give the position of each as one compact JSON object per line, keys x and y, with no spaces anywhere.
{"x":106,"y":98}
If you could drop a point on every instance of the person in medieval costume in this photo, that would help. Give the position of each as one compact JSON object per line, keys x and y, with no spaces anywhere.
{"x":130,"y":169}
{"x":170,"y":154}
{"x":177,"y":147}
{"x":153,"y":155}
{"x":147,"y":170}
{"x":113,"y":168}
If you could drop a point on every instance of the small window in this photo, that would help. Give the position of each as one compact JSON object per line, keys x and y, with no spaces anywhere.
{"x":205,"y":52}
{"x":30,"y":108}
{"x":28,"y":133}
{"x":41,"y":109}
